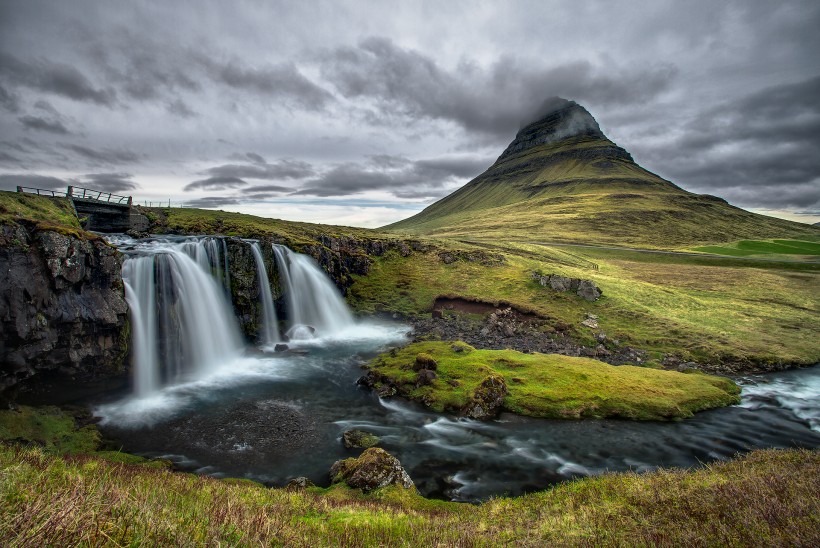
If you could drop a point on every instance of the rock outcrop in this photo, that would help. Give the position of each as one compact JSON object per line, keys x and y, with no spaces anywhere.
{"x":374,"y":469}
{"x":585,"y":289}
{"x":62,"y":308}
{"x":359,"y":439}
{"x":488,"y":399}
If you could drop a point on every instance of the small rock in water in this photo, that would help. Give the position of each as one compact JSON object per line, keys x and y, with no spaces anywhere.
{"x":359,"y":439}
{"x":281,"y":347}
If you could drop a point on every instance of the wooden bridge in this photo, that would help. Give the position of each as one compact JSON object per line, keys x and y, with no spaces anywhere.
{"x":98,"y":210}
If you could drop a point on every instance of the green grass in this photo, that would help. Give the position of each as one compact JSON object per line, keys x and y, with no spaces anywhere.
{"x":707,"y":309}
{"x":553,"y":386}
{"x":767,"y":497}
{"x":47,"y":427}
{"x":765,"y":248}
{"x":42,"y":212}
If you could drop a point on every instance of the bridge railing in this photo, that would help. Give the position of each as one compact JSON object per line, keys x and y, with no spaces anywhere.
{"x":40,"y":191}
{"x":97,"y":195}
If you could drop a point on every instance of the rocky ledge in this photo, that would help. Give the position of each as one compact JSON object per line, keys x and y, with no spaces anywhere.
{"x":64,"y":310}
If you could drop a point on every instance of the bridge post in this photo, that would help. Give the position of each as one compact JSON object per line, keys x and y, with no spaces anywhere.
{"x":129,"y":200}
{"x":69,"y":192}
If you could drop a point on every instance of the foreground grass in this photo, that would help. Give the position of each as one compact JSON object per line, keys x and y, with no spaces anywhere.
{"x":807,"y":250}
{"x":766,"y":498}
{"x":552,"y":386}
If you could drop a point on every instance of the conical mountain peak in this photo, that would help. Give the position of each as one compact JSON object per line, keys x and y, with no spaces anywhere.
{"x":557,"y":119}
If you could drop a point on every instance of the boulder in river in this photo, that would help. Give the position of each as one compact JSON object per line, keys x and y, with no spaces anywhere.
{"x":488,"y":398}
{"x":374,"y":469}
{"x":359,"y":439}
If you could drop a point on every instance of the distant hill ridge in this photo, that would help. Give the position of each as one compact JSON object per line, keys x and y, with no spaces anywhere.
{"x":562,"y":179}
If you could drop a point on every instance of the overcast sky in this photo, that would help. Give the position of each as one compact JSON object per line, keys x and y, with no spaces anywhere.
{"x":362,"y":113}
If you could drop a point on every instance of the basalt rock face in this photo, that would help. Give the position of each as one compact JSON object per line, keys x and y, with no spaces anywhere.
{"x":244,"y":287}
{"x":563,"y":119}
{"x":62,"y":309}
{"x":342,"y":257}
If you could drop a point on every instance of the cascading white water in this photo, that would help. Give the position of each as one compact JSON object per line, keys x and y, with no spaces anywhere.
{"x":311,"y":299}
{"x":183,"y":324}
{"x":270,"y":330}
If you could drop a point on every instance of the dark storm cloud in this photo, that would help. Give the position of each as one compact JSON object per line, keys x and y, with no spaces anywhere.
{"x":760,"y":150}
{"x":282,"y":80}
{"x":283,"y":169}
{"x":41,"y":124}
{"x":496,"y":100}
{"x":110,"y":182}
{"x":408,"y":179}
{"x":6,"y":158}
{"x":57,"y":78}
{"x":8,"y":100}
{"x":103,"y":155}
{"x":10,"y":181}
{"x":216,"y":183}
{"x":212,"y":202}
{"x":256,"y":158}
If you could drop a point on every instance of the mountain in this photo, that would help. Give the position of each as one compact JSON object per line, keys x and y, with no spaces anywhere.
{"x":561,"y":179}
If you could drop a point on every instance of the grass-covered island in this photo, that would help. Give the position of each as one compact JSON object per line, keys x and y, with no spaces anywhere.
{"x":455,"y":377}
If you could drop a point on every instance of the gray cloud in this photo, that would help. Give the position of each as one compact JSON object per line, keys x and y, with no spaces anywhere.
{"x":10,"y":181}
{"x":496,"y":100}
{"x":57,"y":78}
{"x":103,"y":155}
{"x":216,"y":183}
{"x":9,"y":101}
{"x":260,"y":189}
{"x":41,"y":124}
{"x":179,"y":108}
{"x":283,"y":169}
{"x":760,"y":150}
{"x":211,"y":202}
{"x":256,"y":158}
{"x":283,"y":80}
{"x":395,"y":174}
{"x":110,"y":182}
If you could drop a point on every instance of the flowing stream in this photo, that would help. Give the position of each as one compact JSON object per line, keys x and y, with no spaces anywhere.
{"x":216,"y":408}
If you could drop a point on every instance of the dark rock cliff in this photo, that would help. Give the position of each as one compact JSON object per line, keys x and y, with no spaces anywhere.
{"x":62,"y":309}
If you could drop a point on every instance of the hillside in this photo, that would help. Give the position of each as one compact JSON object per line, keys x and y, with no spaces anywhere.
{"x":562,"y":180}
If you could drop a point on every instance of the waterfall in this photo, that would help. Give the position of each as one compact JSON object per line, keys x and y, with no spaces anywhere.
{"x":311,"y":299}
{"x":270,"y":329}
{"x":183,"y":325}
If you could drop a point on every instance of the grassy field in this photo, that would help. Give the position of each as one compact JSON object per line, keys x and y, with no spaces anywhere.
{"x":706,"y":309}
{"x":763,"y":498}
{"x":773,"y":249}
{"x":552,"y":386}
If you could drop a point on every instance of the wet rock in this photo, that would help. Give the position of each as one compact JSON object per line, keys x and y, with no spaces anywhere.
{"x":280,"y":347}
{"x":488,"y":398}
{"x":385,"y":391}
{"x":359,"y":439}
{"x":373,"y":469}
{"x":300,"y":483}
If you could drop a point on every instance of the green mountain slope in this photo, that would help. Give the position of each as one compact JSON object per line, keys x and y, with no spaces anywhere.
{"x":561,"y":179}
